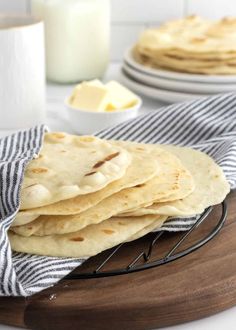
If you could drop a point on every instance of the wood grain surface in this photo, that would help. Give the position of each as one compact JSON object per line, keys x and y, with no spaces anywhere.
{"x":198,"y":285}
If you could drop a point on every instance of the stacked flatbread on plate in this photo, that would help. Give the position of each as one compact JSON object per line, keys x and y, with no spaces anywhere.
{"x":192,"y":44}
{"x":83,"y":195}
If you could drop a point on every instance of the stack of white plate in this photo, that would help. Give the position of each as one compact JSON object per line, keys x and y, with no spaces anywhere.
{"x":170,"y":86}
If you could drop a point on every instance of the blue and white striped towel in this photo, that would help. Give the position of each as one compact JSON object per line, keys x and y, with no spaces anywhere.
{"x":207,"y":124}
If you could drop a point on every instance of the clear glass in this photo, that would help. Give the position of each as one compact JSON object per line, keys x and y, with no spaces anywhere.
{"x":77,"y":34}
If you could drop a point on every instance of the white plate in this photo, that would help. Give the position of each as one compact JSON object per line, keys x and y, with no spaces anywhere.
{"x":128,"y":57}
{"x":157,"y":93}
{"x":177,"y":85}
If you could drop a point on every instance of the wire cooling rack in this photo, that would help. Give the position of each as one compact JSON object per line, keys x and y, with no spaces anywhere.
{"x":142,"y":260}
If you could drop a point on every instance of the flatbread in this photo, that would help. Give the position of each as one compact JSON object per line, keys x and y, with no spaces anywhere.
{"x":181,"y":64}
{"x":143,"y":167}
{"x":23,"y":219}
{"x":69,"y":166}
{"x":155,"y":226}
{"x":172,"y":182}
{"x":211,"y":186}
{"x":87,"y":242}
{"x":192,"y":34}
{"x":191,"y":44}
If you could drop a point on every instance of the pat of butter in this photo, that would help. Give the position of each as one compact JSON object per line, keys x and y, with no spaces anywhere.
{"x":119,"y":97}
{"x":91,"y":97}
{"x":94,"y":82}
{"x":95,"y":96}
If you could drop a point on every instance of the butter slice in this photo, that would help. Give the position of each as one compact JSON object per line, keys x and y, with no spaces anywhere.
{"x":74,"y":93}
{"x":119,"y":97}
{"x":95,"y":82}
{"x":91,"y":97}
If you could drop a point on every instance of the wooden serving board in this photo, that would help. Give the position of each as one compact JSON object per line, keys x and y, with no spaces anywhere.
{"x":198,"y":285}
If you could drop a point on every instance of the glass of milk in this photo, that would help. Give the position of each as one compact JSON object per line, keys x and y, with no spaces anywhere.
{"x":77,"y":34}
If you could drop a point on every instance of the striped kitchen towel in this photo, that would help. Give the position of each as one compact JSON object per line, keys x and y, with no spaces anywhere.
{"x":208,"y":124}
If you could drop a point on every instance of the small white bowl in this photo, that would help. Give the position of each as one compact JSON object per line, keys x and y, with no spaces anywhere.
{"x":89,"y":122}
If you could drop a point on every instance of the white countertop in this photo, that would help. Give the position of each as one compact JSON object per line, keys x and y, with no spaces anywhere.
{"x":57,"y":121}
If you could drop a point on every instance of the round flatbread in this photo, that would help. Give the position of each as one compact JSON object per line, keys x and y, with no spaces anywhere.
{"x":142,"y":168}
{"x":89,"y":241}
{"x":211,"y":186}
{"x":172,"y":182}
{"x":191,"y":44}
{"x":23,"y":219}
{"x":68,"y":166}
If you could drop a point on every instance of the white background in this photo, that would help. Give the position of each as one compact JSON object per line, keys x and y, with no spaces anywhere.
{"x":129,"y":17}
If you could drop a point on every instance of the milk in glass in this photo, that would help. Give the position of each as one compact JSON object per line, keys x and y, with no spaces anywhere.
{"x":77,"y":34}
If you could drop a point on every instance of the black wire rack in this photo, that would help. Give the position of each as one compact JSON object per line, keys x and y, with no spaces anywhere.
{"x":142,"y":261}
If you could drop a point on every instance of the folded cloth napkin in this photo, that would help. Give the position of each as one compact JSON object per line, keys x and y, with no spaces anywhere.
{"x":208,"y":124}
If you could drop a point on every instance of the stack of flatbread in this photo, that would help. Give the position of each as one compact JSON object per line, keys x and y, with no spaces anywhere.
{"x":83,"y":195}
{"x":192,"y":44}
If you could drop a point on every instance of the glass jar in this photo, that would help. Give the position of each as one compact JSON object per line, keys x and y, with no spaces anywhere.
{"x":77,"y":34}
